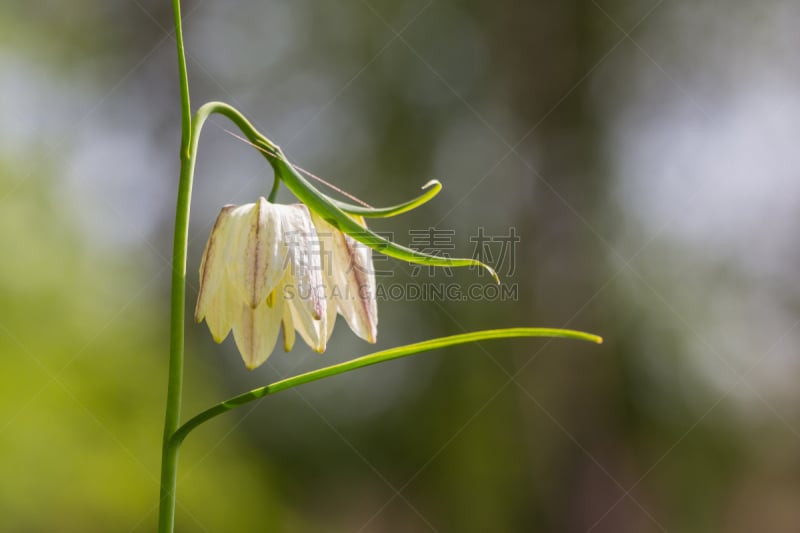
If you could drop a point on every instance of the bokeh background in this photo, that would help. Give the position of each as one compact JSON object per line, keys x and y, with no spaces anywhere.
{"x":644,"y":152}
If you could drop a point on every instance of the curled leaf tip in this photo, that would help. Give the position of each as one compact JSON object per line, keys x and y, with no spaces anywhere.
{"x":432,"y":183}
{"x":492,"y":272}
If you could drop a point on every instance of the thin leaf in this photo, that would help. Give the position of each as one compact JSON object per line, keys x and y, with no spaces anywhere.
{"x":372,"y":359}
{"x":431,"y":188}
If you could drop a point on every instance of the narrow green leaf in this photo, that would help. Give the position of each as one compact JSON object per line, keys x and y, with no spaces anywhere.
{"x":375,"y":358}
{"x":431,"y":188}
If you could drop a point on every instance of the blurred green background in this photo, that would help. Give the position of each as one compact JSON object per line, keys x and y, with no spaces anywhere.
{"x":644,"y":152}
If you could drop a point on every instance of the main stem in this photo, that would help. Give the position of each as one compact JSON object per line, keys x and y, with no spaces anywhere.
{"x":169,"y":451}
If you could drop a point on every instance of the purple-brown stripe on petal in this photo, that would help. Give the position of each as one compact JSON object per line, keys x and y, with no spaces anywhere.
{"x":208,"y":256}
{"x":362,"y":281}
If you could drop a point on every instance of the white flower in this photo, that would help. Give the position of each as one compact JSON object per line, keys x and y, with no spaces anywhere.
{"x":349,"y":279}
{"x":267,"y":265}
{"x":253,"y":254}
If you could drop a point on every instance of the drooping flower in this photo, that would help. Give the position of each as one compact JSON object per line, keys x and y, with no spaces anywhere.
{"x":253,"y":253}
{"x":268,"y":267}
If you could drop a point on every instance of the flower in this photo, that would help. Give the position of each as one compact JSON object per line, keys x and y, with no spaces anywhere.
{"x":265,"y":267}
{"x":254,"y":252}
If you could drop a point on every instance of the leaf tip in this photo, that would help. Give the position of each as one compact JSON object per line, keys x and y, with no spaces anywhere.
{"x":492,"y":272}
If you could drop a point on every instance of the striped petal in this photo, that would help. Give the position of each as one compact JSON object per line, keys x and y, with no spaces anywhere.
{"x":359,"y":306}
{"x":311,"y":330}
{"x":256,"y":330}
{"x":258,"y":254}
{"x":302,"y":251}
{"x":212,"y":299}
{"x":265,"y":256}
{"x":350,"y":278}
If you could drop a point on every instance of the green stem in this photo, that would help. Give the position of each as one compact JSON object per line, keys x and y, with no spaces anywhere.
{"x":276,"y":184}
{"x":169,"y":451}
{"x":372,"y":359}
{"x":186,"y":108}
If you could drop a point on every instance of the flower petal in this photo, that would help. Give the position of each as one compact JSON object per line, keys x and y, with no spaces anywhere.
{"x":287,"y":327}
{"x":300,"y":238}
{"x":312,"y":331}
{"x":222,"y":313}
{"x":211,"y":297}
{"x":330,"y":319}
{"x":265,"y":256}
{"x":256,"y":330}
{"x":358,"y":306}
{"x":239,"y":237}
{"x":350,"y":278}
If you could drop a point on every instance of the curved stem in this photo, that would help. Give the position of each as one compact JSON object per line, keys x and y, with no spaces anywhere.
{"x":372,"y":359}
{"x":320,"y":203}
{"x":267,"y":148}
{"x":276,"y":184}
